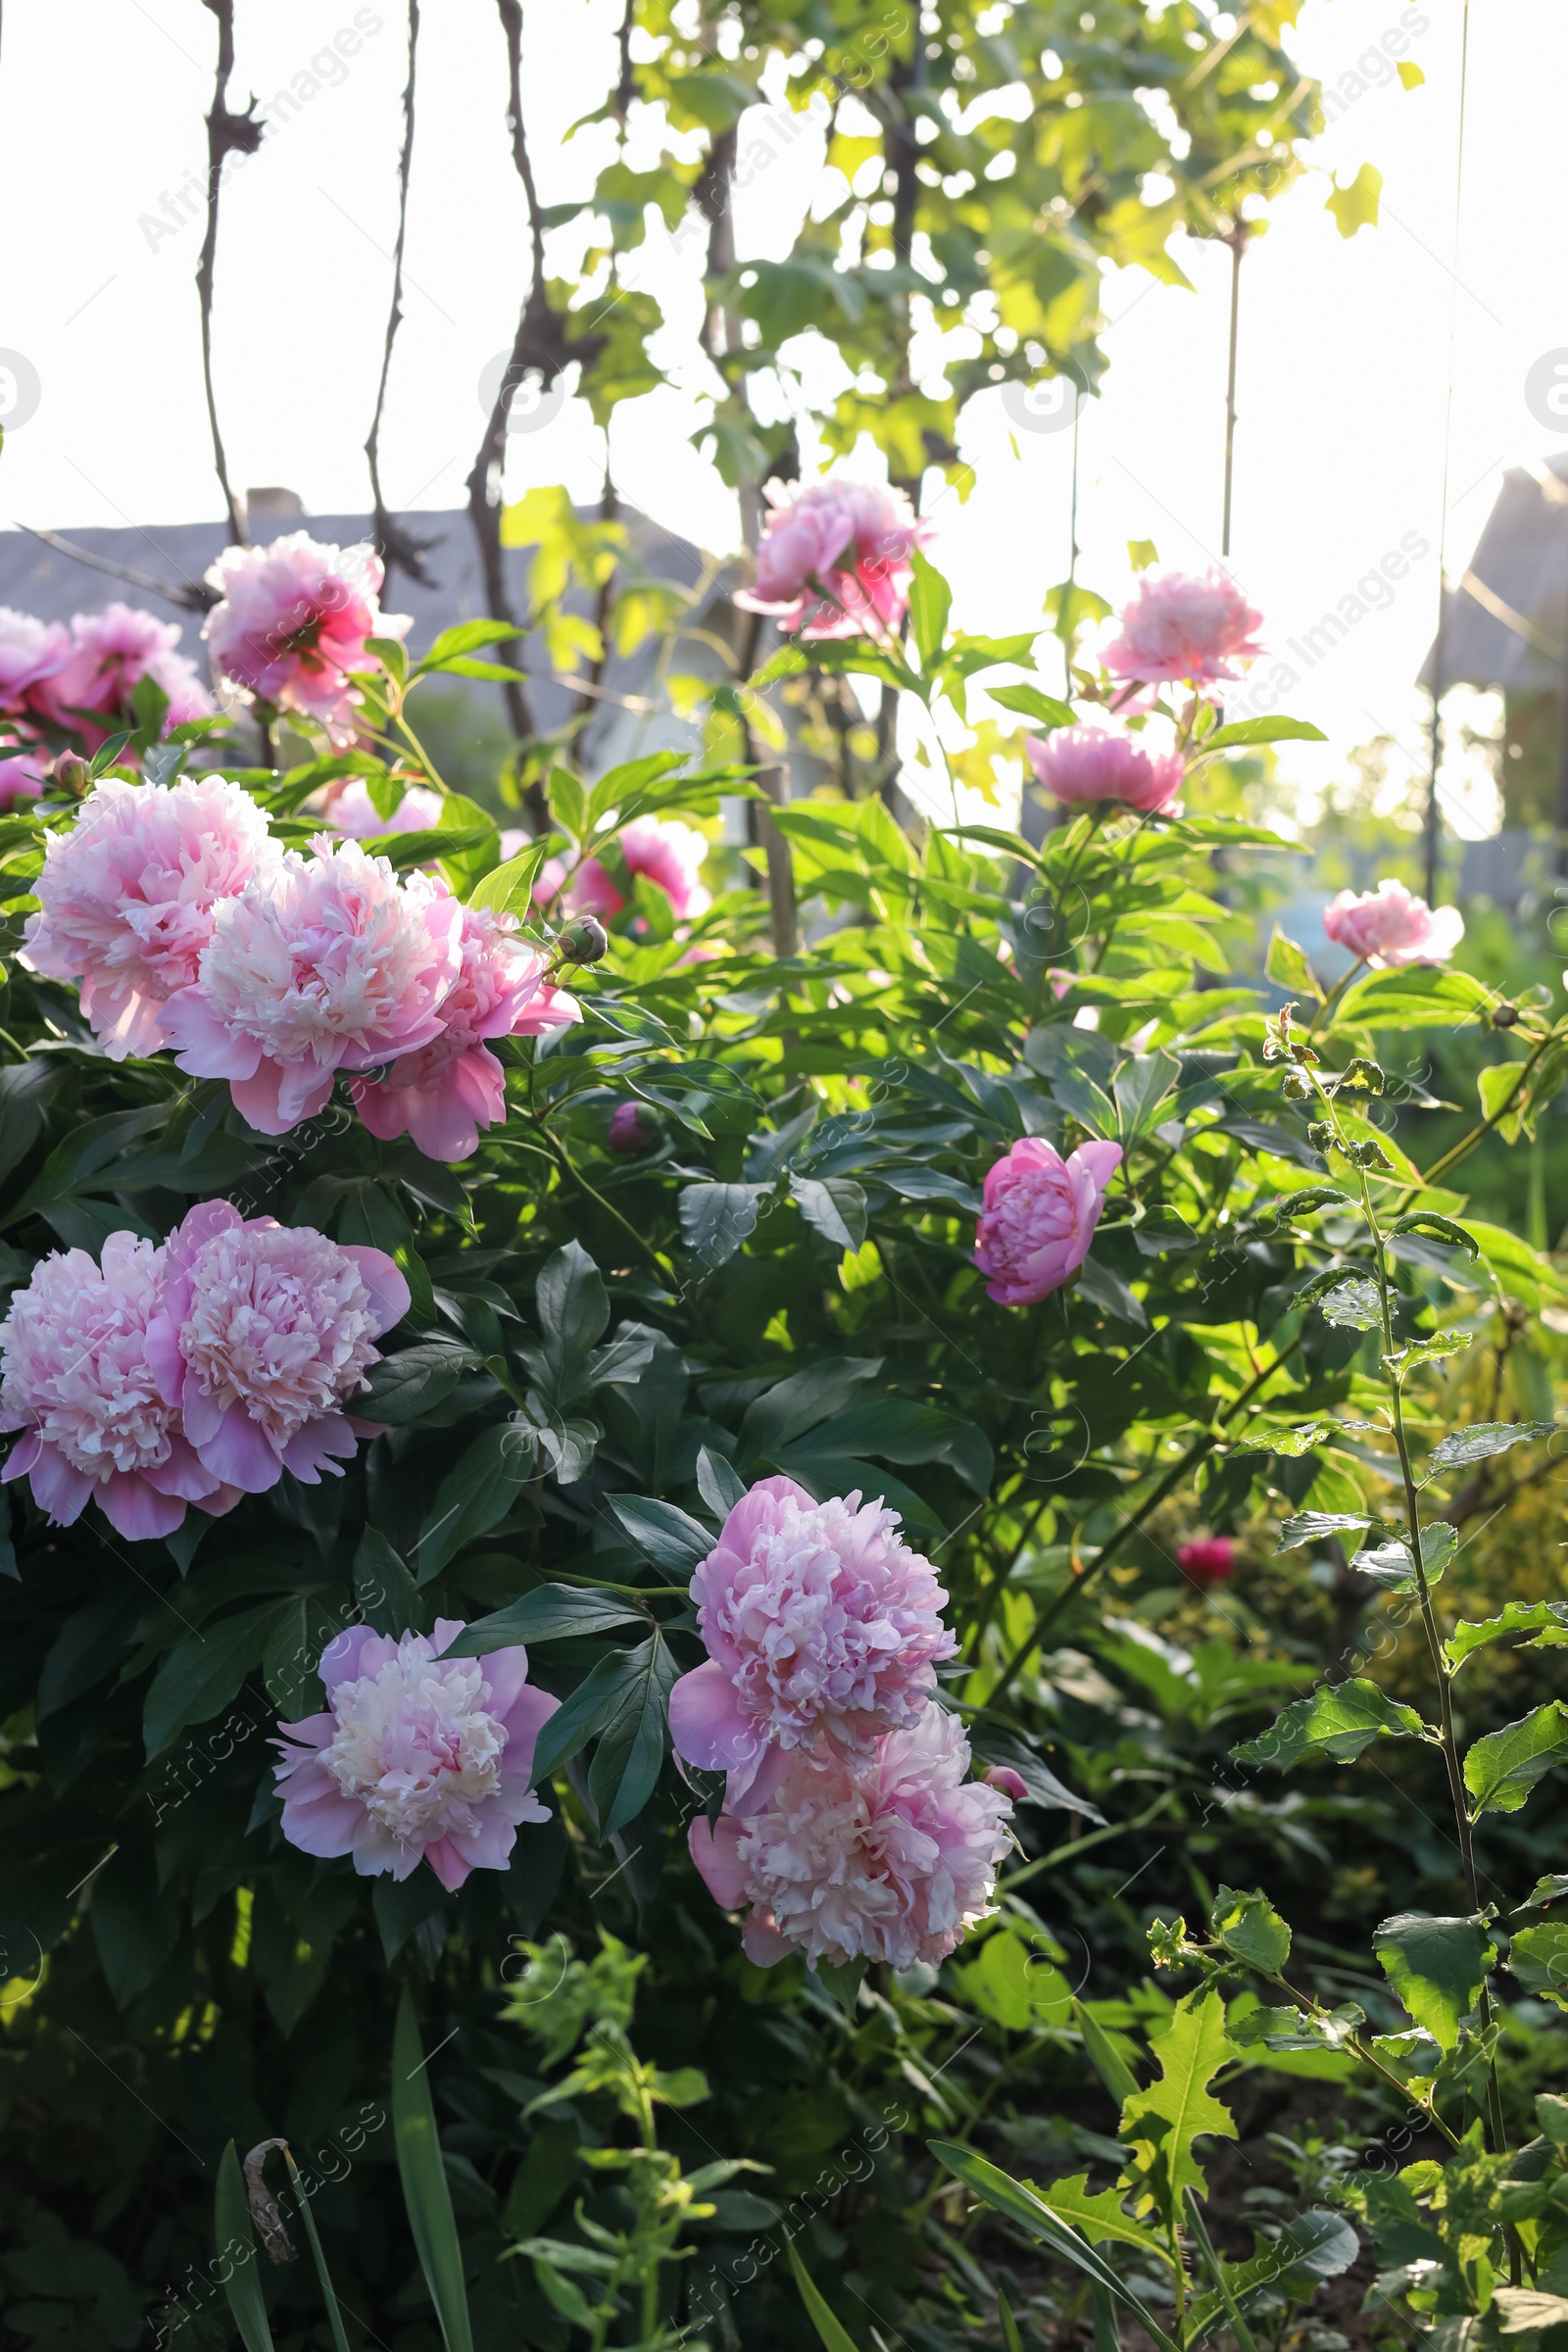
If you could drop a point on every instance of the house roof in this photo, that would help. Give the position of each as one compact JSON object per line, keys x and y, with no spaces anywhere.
{"x":1505,"y":625}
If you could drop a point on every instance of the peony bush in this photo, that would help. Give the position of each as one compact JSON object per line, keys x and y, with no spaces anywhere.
{"x":709,"y":1575}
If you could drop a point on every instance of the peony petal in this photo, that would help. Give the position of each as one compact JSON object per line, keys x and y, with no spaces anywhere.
{"x":1100,"y":1159}
{"x":58,"y":1489}
{"x":160,"y":1347}
{"x":318,"y":1445}
{"x":24,"y":1454}
{"x":344,"y":1660}
{"x":524,"y":1720}
{"x":705,"y":1721}
{"x":762,"y":1942}
{"x":182,"y":1474}
{"x":715,"y":1850}
{"x":383,"y":1277}
{"x":323,"y":1826}
{"x":136,"y":1511}
{"x":240,"y":1454}
{"x":202,"y":1044}
{"x":448,"y":1863}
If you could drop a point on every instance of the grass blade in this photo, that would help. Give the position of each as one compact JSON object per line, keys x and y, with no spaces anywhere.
{"x":822,"y":2320}
{"x":303,"y":2203}
{"x":424,"y":2182}
{"x":236,"y":2243}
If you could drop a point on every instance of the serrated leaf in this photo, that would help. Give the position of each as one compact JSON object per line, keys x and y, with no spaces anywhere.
{"x":1251,"y":1928}
{"x":1501,"y":1768}
{"x":1549,"y":1890}
{"x":1188,"y":2054}
{"x":1332,"y":1724}
{"x":1538,"y":1958}
{"x":1443,"y":1229}
{"x":1434,"y":1350}
{"x":1099,"y":2216}
{"x":1482,"y":1441}
{"x":1353,"y":1306}
{"x":1436,"y":1966}
{"x":1314,"y":1527}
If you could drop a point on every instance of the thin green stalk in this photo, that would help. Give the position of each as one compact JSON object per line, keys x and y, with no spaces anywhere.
{"x":1334,"y":996}
{"x":303,"y":2206}
{"x":1243,"y":2334}
{"x":1467,"y":1143}
{"x":610,"y":1209}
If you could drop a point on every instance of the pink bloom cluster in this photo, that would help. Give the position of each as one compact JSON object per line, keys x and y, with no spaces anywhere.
{"x":126,"y":896}
{"x":81,"y":679}
{"x":293,"y":622}
{"x":21,"y":779}
{"x":188,"y":927}
{"x":1179,"y":626}
{"x":1390,"y":925}
{"x":1207,"y":1559}
{"x":888,"y":1857}
{"x":417,"y":1758}
{"x":192,"y":1371}
{"x":834,"y":561}
{"x":351,"y":810}
{"x":847,"y":1827}
{"x":1090,"y":764}
{"x":1039,"y":1218}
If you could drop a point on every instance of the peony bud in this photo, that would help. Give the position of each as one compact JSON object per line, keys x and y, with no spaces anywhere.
{"x":1504,"y":1016}
{"x":1207,"y":1559}
{"x":586,"y":941}
{"x":633,"y":1128}
{"x":71,"y":773}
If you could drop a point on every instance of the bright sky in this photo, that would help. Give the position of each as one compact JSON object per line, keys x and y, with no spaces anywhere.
{"x":1345,"y":346}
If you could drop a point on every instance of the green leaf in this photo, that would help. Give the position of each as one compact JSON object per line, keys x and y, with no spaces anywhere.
{"x":1314,"y":1527}
{"x":236,"y":2244}
{"x":1033,"y":2214}
{"x":835,"y":2338}
{"x":1482,"y":1441}
{"x":718,"y":1483}
{"x":1501,"y":1768}
{"x":1287,"y":1206}
{"x":1355,"y":205}
{"x":594,"y":1704}
{"x":634,"y":1736}
{"x":1263,"y":730}
{"x":1353,"y":1306}
{"x":1547,"y":1618}
{"x":404,"y":1386}
{"x":1436,"y":1966}
{"x":508,"y":889}
{"x":573,"y":1312}
{"x":1189,"y":2053}
{"x":667,"y":1536}
{"x":464,"y":637}
{"x":1288,"y":967}
{"x":424,"y":2182}
{"x":1101,"y":2216}
{"x":1251,"y":1930}
{"x":1043,"y":709}
{"x":551,"y":1613}
{"x":835,"y":1206}
{"x":1528,"y":2307}
{"x":930,"y":602}
{"x":200,"y":1675}
{"x":1551,"y":1890}
{"x":1435,"y":1351}
{"x":1333,"y":1724}
{"x":1418,"y":996}
{"x":716,"y":1219}
{"x":1443,"y":1229}
{"x":1538,"y":1958}
{"x":383,"y":1588}
{"x":1105,"y":2056}
{"x":476,"y":1493}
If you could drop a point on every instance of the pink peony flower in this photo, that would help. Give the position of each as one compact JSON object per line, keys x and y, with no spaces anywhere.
{"x":111,"y":653}
{"x":1040,"y":1216}
{"x":890,"y":1856}
{"x":330,"y":963}
{"x":1179,"y":626}
{"x":1390,"y":925}
{"x":21,"y":779}
{"x":127,"y":896}
{"x":417,"y":1758}
{"x":352,"y":810}
{"x":76,"y":1375}
{"x":1012,"y":1785}
{"x":30,"y":651}
{"x":443,"y":1093}
{"x":293,"y":624}
{"x":262,"y":1333}
{"x":1089,"y":763}
{"x":1207,"y":1559}
{"x":834,"y":561}
{"x":817,"y":1617}
{"x":666,"y":851}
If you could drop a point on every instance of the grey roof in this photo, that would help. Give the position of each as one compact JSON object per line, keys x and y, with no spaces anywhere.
{"x":38,"y":577}
{"x":1505,"y":625}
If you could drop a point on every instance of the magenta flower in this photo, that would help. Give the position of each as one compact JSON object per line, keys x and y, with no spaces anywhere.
{"x":417,"y":1758}
{"x":1089,"y":763}
{"x":293,"y":624}
{"x":111,"y":653}
{"x":1207,"y":1559}
{"x":1390,"y":926}
{"x":443,"y":1093}
{"x":1177,"y":626}
{"x":834,"y":561}
{"x":127,"y":896}
{"x":817,"y":1617}
{"x":21,"y":779}
{"x":633,"y":1128}
{"x":890,"y":1856}
{"x":30,"y":651}
{"x":351,"y":810}
{"x":76,"y":1375}
{"x":260,"y":1336}
{"x":331,"y":963}
{"x":1040,"y":1215}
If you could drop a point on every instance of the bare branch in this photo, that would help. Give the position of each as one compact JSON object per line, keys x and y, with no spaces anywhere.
{"x":227,"y":134}
{"x":398,"y":548}
{"x":192,"y":595}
